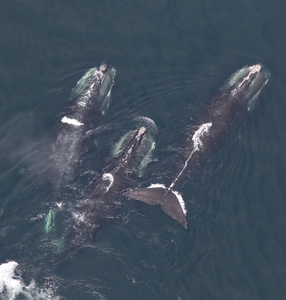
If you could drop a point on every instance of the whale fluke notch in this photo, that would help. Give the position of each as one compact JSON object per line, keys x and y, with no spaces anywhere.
{"x":170,"y":201}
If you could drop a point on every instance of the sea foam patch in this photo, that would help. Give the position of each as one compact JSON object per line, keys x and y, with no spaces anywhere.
{"x":71,"y":121}
{"x":155,"y":185}
{"x":12,"y":286}
{"x":108,"y":176}
{"x":204,"y":128}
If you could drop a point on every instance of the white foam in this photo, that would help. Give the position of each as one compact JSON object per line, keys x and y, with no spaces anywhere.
{"x":156,"y":185}
{"x":108,"y":176}
{"x":79,"y":217}
{"x":181,"y":201}
{"x":71,"y":121}
{"x":197,"y":136}
{"x":12,"y":286}
{"x":197,"y":143}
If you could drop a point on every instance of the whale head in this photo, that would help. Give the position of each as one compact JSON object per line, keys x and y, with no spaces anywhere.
{"x":106,"y":87}
{"x":144,"y":149}
{"x":107,"y":74}
{"x":131,"y":151}
{"x":135,"y":149}
{"x":247,"y":83}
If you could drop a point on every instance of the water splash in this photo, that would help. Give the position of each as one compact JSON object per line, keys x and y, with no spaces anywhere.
{"x":13,"y":287}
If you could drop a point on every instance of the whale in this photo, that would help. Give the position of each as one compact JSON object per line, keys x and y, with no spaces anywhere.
{"x":222,"y":116}
{"x":77,"y":125}
{"x":102,"y":199}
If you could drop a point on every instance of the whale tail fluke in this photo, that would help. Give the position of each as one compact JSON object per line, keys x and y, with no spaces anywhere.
{"x":171,"y":202}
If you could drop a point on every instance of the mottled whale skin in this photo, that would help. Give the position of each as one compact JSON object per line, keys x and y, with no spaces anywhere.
{"x":102,"y":199}
{"x":77,"y":124}
{"x":225,"y":112}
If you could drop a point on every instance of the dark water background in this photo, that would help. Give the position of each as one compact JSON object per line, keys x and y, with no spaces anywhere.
{"x":171,"y":56}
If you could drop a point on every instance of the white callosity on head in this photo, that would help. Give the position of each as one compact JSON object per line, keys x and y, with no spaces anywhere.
{"x":197,"y":144}
{"x":81,"y":103}
{"x":94,"y":83}
{"x":108,"y":176}
{"x":141,"y":131}
{"x":253,"y":70}
{"x":69,"y":121}
{"x":98,"y":77}
{"x":138,"y":136}
{"x":148,"y":123}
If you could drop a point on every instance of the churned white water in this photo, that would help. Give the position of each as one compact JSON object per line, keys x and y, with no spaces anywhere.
{"x":13,"y":287}
{"x":197,"y":144}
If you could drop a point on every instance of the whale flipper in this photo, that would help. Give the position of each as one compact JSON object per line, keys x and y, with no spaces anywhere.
{"x":171,"y":202}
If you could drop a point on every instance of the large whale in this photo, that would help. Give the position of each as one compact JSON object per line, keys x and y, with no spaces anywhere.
{"x":226,"y":111}
{"x":102,"y":199}
{"x":77,"y":124}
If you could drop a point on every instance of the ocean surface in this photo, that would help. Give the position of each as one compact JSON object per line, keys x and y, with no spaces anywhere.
{"x":171,"y":57}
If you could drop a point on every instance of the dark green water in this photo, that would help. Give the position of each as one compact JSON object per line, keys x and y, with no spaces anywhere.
{"x":171,"y":57}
